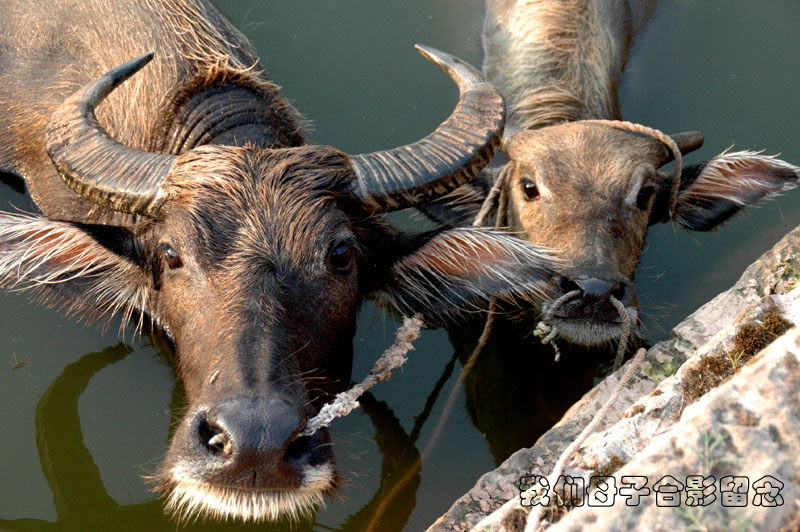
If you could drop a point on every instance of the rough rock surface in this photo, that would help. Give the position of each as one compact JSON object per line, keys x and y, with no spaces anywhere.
{"x":745,"y":428}
{"x":653,"y":418}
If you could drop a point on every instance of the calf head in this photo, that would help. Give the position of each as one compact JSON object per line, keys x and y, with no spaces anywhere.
{"x":255,"y":261}
{"x":591,"y":191}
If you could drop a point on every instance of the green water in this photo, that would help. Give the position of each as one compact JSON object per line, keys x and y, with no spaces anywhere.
{"x":87,"y":416}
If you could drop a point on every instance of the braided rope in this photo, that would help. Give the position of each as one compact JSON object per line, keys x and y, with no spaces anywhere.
{"x":394,"y":357}
{"x":626,"y":331}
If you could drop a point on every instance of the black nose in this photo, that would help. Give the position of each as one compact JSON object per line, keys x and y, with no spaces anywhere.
{"x":593,"y":289}
{"x":600,"y":289}
{"x":254,"y":443}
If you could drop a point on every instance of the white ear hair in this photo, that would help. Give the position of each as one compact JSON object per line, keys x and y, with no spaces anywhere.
{"x":49,"y":256}
{"x":715,"y":190}
{"x":730,"y":175}
{"x":461,"y":270}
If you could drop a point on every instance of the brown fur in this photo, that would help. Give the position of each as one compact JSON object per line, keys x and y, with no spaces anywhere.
{"x":259,"y":252}
{"x":592,"y":221}
{"x":195,"y":45}
{"x":556,"y":60}
{"x":594,"y":189}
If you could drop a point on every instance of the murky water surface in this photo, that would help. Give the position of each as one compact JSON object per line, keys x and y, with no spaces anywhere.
{"x":85,"y":414}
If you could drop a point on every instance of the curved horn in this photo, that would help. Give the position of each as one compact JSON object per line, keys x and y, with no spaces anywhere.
{"x":444,"y":160}
{"x":98,"y":167}
{"x":687,"y":141}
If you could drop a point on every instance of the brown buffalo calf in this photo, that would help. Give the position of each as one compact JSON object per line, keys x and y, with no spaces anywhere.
{"x":591,"y":189}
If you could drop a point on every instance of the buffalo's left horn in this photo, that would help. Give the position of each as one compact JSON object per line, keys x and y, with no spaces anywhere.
{"x":687,"y":142}
{"x":444,"y":160}
{"x":95,"y":165}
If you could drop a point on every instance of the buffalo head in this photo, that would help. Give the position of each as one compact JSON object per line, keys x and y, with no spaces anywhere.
{"x":255,"y":261}
{"x":591,"y":191}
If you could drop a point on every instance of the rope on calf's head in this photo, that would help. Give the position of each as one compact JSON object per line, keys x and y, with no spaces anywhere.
{"x":394,"y":357}
{"x":658,"y":135}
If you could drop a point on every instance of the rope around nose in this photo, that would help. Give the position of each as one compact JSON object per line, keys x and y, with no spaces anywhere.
{"x":664,"y":139}
{"x":548,"y":332}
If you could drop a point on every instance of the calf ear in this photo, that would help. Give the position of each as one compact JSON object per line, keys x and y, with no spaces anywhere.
{"x":456,"y":271}
{"x":713,"y":191}
{"x":86,"y":269}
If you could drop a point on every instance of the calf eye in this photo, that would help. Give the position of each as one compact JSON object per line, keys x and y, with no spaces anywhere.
{"x":644,"y":195}
{"x":529,"y":189}
{"x":341,"y":257}
{"x":170,"y":256}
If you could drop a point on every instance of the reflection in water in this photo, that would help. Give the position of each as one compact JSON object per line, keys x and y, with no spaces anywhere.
{"x":81,"y":500}
{"x":83,"y":503}
{"x":516,"y":391}
{"x":514,"y":394}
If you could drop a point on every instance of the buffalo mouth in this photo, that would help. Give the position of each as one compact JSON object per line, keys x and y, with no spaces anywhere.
{"x":589,"y":322}
{"x":189,"y":498}
{"x":587,"y":332}
{"x":244,"y":459}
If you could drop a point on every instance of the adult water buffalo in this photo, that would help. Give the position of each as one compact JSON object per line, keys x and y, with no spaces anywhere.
{"x":592,"y":188}
{"x":189,"y":199}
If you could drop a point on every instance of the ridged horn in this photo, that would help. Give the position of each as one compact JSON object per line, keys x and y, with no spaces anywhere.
{"x":95,"y":165}
{"x":444,"y":160}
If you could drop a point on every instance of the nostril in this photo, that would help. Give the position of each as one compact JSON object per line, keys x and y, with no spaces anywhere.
{"x":215,"y":438}
{"x":298,"y":449}
{"x":619,"y":292}
{"x":567,"y":285}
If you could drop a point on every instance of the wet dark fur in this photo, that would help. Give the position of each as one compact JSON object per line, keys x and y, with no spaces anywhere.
{"x":258,"y":261}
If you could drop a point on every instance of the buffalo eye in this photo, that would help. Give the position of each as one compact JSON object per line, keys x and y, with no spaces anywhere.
{"x":170,"y":256}
{"x":644,"y":195}
{"x":529,"y":189}
{"x":341,"y":257}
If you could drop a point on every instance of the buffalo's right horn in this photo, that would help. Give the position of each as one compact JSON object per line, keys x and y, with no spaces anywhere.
{"x":444,"y":160}
{"x":97,"y":166}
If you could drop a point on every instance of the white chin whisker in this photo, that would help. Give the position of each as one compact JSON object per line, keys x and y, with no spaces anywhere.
{"x":593,"y":333}
{"x":192,"y":499}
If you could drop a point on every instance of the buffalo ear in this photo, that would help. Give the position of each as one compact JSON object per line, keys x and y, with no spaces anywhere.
{"x":451,"y":272}
{"x":715,"y":190}
{"x":90,"y":269}
{"x":460,"y":207}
